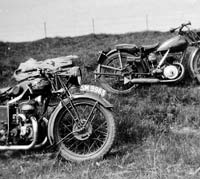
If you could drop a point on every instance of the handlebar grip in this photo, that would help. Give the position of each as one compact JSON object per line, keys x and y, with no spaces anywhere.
{"x":185,"y":24}
{"x":180,"y":27}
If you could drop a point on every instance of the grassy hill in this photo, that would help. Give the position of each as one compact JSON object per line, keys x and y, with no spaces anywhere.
{"x":145,"y":146}
{"x":86,"y":47}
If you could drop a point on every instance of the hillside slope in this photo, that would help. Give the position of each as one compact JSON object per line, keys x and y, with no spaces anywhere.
{"x":146,"y":146}
{"x":86,"y":47}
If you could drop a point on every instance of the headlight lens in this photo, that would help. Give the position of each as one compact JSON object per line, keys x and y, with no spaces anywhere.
{"x":77,"y":75}
{"x":79,"y":79}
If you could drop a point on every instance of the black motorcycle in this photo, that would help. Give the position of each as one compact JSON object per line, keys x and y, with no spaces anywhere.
{"x":128,"y":65}
{"x":48,"y":105}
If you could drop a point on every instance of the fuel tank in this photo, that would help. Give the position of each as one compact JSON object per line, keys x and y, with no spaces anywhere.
{"x":174,"y":44}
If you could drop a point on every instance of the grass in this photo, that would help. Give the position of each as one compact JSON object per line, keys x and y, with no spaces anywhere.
{"x":157,"y":125}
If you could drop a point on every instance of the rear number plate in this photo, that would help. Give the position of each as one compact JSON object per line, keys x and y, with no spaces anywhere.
{"x":93,"y":89}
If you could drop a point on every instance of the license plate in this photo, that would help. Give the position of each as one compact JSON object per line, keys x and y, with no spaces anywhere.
{"x":93,"y":89}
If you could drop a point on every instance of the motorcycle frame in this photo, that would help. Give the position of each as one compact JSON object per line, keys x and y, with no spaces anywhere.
{"x":190,"y":36}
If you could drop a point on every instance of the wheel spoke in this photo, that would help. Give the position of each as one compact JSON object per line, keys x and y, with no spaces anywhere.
{"x":68,"y":139}
{"x":102,"y":132}
{"x":82,"y":112}
{"x":70,"y":112}
{"x":92,"y":118}
{"x":100,"y":126}
{"x":88,"y":147}
{"x":66,"y":126}
{"x":73,"y":144}
{"x":61,"y":140}
{"x":92,"y":145}
{"x":87,"y":140}
{"x":91,"y":112}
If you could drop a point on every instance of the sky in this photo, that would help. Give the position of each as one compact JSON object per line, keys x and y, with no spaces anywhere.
{"x":29,"y":20}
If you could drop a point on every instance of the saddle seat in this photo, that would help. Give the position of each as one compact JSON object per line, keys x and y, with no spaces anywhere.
{"x":127,"y":47}
{"x":132,"y":48}
{"x":151,"y":47}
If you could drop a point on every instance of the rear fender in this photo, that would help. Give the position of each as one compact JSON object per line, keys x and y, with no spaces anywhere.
{"x":104,"y":55}
{"x":129,"y":48}
{"x":89,"y":96}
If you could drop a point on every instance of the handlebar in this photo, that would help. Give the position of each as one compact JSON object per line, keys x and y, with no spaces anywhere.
{"x":180,"y":27}
{"x":186,"y":24}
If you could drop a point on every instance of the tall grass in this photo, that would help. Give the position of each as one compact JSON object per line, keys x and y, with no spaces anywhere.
{"x":157,"y":125}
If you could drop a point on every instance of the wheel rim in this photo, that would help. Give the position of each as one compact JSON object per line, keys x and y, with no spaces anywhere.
{"x":86,"y":142}
{"x":116,"y":82}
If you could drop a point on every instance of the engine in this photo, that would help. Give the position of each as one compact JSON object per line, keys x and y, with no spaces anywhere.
{"x":22,"y":131}
{"x":20,"y":125}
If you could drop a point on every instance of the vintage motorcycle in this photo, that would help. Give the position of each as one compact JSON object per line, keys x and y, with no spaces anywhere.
{"x":42,"y":109}
{"x":128,"y":65}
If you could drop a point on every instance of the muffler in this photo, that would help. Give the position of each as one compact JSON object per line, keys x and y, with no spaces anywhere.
{"x":24,"y":147}
{"x":141,"y":80}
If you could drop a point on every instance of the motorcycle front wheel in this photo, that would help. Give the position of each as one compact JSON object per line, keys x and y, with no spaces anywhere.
{"x":90,"y":143}
{"x":195,"y":68}
{"x":112,"y":74}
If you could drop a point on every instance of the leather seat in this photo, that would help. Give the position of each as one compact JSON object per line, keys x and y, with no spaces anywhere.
{"x":127,"y":47}
{"x":134,"y":48}
{"x":151,"y":47}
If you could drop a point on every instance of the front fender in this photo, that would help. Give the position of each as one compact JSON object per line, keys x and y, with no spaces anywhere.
{"x":189,"y":57}
{"x":89,"y":96}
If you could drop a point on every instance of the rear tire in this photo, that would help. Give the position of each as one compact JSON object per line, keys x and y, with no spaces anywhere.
{"x":115,"y":84}
{"x":91,"y":143}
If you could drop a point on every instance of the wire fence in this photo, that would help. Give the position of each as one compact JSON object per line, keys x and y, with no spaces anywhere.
{"x":36,"y":30}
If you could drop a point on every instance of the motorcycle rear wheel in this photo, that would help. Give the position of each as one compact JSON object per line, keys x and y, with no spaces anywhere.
{"x":91,"y":143}
{"x":115,"y":84}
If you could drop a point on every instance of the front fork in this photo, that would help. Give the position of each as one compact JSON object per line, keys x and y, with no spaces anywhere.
{"x":75,"y":117}
{"x":78,"y":121}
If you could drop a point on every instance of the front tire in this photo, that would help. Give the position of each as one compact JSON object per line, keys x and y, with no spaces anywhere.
{"x":91,"y":143}
{"x":195,"y":67}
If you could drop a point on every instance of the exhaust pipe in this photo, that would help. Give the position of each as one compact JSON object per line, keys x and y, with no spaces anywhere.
{"x":25,"y":147}
{"x":41,"y":144}
{"x":155,"y":80}
{"x":141,"y":80}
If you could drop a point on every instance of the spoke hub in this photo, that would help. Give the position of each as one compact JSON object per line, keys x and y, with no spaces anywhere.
{"x":84,"y":133}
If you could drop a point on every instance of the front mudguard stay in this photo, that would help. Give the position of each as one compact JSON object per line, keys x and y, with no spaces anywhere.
{"x":90,"y":96}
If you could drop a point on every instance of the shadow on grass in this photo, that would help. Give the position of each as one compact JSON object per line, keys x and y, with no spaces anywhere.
{"x":5,"y":155}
